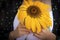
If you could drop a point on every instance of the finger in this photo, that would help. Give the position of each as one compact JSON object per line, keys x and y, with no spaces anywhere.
{"x":22,"y":33}
{"x":20,"y":26}
{"x":48,"y":33}
{"x":41,"y":36}
{"x":39,"y":32}
{"x":22,"y":29}
{"x":36,"y":35}
{"x":45,"y":35}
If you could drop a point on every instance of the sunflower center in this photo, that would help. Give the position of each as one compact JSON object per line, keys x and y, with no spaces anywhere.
{"x":33,"y":11}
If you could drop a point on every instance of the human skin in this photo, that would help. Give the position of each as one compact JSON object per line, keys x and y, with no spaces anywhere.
{"x":45,"y":35}
{"x":20,"y":31}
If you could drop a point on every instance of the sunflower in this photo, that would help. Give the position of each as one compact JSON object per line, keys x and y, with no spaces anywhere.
{"x":34,"y":15}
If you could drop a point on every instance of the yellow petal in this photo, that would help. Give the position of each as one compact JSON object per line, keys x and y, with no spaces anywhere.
{"x":42,"y":24}
{"x":45,"y":20}
{"x":27,"y":22}
{"x":21,"y":16}
{"x":41,"y":5}
{"x":48,"y":20}
{"x":33,"y":27}
{"x":30,"y":2}
{"x":26,"y":3}
{"x":46,"y":13}
{"x":38,"y":26}
{"x":23,"y":8}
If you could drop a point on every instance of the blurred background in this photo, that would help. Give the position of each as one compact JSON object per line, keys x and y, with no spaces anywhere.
{"x":8,"y":10}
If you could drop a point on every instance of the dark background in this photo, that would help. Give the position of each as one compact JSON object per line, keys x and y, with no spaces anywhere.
{"x":8,"y":10}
